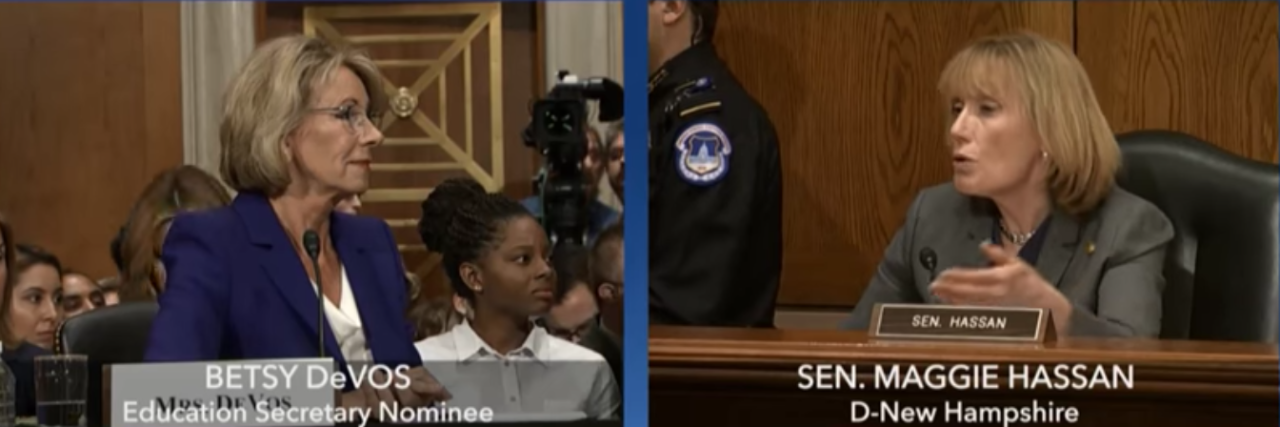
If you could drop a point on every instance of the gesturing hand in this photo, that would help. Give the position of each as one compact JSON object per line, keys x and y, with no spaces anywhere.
{"x":1008,"y":282}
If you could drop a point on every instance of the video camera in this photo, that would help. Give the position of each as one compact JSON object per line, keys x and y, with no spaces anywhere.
{"x":558,"y":131}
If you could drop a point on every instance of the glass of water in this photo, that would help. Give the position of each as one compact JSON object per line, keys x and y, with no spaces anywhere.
{"x":62,"y":386}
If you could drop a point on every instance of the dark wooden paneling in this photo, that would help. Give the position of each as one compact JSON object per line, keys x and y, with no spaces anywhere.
{"x":1205,"y":68}
{"x":850,"y":87}
{"x":90,"y":110}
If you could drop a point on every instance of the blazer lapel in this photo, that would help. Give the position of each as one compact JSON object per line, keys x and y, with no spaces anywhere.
{"x":357,"y":260}
{"x":1059,"y":247}
{"x":981,"y":224}
{"x":281,"y":263}
{"x":1056,"y":254}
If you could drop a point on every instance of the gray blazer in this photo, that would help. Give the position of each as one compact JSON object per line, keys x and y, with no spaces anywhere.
{"x":1108,"y":265}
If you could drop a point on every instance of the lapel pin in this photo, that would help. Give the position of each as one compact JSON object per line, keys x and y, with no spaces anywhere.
{"x":1089,"y":248}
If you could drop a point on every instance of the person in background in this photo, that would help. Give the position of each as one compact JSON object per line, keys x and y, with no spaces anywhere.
{"x":607,"y":275}
{"x":1032,"y":216}
{"x":435,"y":316}
{"x":300,"y":121}
{"x":430,"y":316}
{"x":17,"y":354}
{"x":181,"y":189}
{"x":33,"y":315}
{"x":349,"y":205}
{"x":495,"y":256}
{"x":576,"y":314}
{"x":576,"y":310}
{"x":79,"y":294}
{"x":110,"y":287}
{"x":598,"y":214}
{"x":715,"y":193}
{"x":615,"y":161}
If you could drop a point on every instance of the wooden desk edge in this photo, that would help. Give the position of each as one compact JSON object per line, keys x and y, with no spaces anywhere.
{"x":780,"y":345}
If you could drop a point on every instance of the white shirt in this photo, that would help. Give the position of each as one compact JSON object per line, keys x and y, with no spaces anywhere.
{"x":344,"y":322}
{"x":545,"y":378}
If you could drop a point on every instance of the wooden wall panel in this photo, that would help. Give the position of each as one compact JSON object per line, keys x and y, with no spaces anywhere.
{"x":850,"y":87}
{"x":90,"y":111}
{"x":1208,"y":68}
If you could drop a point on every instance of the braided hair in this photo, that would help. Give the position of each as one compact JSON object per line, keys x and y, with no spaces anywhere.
{"x":460,"y":220}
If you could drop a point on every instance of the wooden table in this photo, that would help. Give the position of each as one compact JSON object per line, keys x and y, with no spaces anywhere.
{"x":738,"y":377}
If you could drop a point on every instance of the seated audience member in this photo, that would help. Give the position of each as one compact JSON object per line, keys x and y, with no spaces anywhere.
{"x":435,"y":316}
{"x":31,"y":317}
{"x":17,"y":354}
{"x":576,"y":314}
{"x":599,"y":215}
{"x":606,"y":276}
{"x":575,"y":310}
{"x":297,"y":133}
{"x":429,"y":315}
{"x":615,"y":161}
{"x":110,"y":287}
{"x":495,"y":256}
{"x":349,"y":205}
{"x":1032,"y":216}
{"x":607,"y":263}
{"x":37,"y":284}
{"x":180,"y":189}
{"x":79,"y":294}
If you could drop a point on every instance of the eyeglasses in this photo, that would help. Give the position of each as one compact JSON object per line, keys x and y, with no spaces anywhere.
{"x":356,"y":118}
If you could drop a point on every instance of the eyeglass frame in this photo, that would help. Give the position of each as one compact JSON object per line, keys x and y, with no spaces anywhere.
{"x":355,"y":122}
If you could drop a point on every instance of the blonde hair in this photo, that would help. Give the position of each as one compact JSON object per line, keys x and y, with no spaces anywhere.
{"x":269,"y":98}
{"x":1059,"y":100}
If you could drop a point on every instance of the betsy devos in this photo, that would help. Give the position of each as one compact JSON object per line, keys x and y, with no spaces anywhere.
{"x":297,"y":133}
{"x":1032,"y":216}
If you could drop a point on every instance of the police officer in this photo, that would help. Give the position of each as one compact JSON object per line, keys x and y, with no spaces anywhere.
{"x":715,"y":215}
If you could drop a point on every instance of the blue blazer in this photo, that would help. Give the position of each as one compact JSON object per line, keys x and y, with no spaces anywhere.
{"x":237,"y":289}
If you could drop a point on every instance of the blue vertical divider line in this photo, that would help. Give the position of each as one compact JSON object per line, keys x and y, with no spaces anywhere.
{"x":635,"y":299}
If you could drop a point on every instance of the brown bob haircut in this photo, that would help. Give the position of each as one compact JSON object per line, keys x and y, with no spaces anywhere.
{"x":181,"y":189}
{"x":1054,"y":92}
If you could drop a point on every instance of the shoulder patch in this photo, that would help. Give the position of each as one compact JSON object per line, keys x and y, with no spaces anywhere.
{"x":703,"y":154}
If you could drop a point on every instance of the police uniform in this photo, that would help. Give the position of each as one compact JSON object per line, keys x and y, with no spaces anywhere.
{"x":715,"y":202}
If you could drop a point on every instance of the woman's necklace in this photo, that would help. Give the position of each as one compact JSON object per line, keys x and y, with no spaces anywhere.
{"x":1018,"y":239}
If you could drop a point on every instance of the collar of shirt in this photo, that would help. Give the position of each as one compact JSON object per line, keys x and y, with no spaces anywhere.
{"x":470,"y":347}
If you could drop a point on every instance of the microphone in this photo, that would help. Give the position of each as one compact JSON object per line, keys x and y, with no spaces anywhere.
{"x":311,"y":243}
{"x":929,"y":259}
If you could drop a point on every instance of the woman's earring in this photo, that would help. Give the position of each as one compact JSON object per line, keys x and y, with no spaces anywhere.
{"x":1044,"y":155}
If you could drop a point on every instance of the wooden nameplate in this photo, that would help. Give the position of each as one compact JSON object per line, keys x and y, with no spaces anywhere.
{"x":961,"y":323}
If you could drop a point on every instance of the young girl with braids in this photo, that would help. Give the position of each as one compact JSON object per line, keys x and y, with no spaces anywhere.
{"x":496,"y":257}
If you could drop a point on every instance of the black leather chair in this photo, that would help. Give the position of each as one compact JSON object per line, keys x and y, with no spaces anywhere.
{"x":108,"y":335}
{"x":1223,"y":266}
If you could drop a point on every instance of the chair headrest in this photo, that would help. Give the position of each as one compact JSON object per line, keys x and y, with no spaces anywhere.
{"x":115,"y":334}
{"x":1222,"y":279}
{"x":1184,"y":162}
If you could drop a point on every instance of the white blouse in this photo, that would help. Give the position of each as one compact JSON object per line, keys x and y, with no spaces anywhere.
{"x":344,"y":322}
